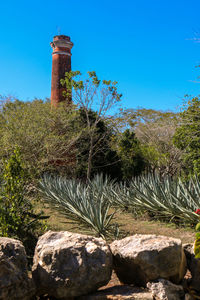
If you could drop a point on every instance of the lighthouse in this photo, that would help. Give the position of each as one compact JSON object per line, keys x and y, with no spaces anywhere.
{"x":61,"y":63}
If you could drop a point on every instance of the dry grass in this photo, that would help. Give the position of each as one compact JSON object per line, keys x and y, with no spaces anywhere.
{"x":128,"y":226}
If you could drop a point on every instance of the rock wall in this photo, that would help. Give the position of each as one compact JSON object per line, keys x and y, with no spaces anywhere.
{"x":74,"y":266}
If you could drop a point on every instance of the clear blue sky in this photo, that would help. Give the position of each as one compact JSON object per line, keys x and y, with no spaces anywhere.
{"x":146,"y":45}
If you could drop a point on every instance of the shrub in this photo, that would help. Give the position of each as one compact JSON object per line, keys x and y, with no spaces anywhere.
{"x":17,"y":217}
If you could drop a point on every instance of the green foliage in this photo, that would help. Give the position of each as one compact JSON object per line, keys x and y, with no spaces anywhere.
{"x":129,"y":151}
{"x":91,"y":205}
{"x":44,"y":136}
{"x":86,"y":206}
{"x":75,"y":140}
{"x":57,"y":140}
{"x":197,"y":228}
{"x":104,"y":159}
{"x":91,"y":88}
{"x":154,"y":129}
{"x":166,"y":199}
{"x":197,"y":242}
{"x":17,"y":218}
{"x":187,"y":136}
{"x":92,"y":94}
{"x":197,"y":246}
{"x":12,"y":196}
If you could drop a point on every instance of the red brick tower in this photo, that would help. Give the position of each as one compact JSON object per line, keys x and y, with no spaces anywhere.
{"x":61,"y":46}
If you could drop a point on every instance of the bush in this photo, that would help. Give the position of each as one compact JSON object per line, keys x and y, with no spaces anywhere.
{"x":130,"y":153}
{"x":45,"y":137}
{"x":17,"y":217}
{"x":56,"y":140}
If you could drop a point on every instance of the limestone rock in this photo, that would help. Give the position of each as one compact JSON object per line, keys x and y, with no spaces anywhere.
{"x":139,"y":259}
{"x":69,"y":264}
{"x":14,"y":281}
{"x":165,"y":290}
{"x":193,"y":265}
{"x":120,"y":292}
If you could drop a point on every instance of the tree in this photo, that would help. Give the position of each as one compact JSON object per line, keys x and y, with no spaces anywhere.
{"x":92,"y":94}
{"x":129,"y":150}
{"x":187,"y":136}
{"x":104,"y":159}
{"x":56,"y":140}
{"x":154,"y":129}
{"x":45,"y":137}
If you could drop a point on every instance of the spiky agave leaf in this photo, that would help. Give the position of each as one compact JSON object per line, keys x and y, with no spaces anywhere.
{"x":166,"y":198}
{"x":78,"y":202}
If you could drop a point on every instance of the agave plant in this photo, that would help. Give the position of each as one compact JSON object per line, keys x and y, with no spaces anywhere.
{"x":86,"y":205}
{"x":166,"y":198}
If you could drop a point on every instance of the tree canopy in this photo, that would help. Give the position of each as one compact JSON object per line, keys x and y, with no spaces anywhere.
{"x":44,"y":137}
{"x":187,"y":136}
{"x":101,"y":96}
{"x":154,"y":129}
{"x":58,"y":139}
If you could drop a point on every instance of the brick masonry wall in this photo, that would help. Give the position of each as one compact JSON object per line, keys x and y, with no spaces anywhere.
{"x":61,"y":63}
